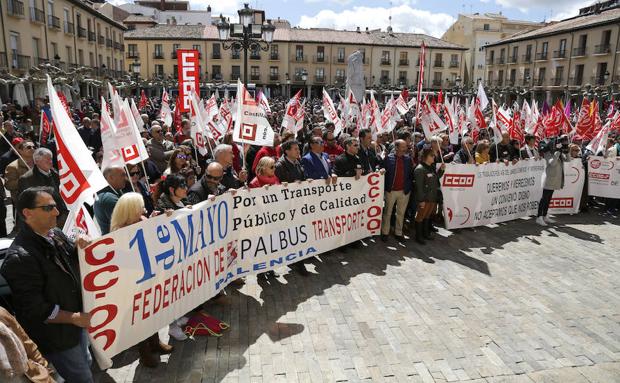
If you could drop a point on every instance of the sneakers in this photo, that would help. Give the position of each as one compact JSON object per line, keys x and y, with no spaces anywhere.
{"x":175,"y":332}
{"x":549,"y":219}
{"x":541,"y":221}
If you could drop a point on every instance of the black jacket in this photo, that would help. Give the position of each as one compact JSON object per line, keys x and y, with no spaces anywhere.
{"x":164,"y":203}
{"x":34,"y":177}
{"x":506,"y":152}
{"x":286,"y":171}
{"x":368,"y":159}
{"x":345,"y":165}
{"x":41,"y":275}
{"x":200,"y":191}
{"x":426,"y":181}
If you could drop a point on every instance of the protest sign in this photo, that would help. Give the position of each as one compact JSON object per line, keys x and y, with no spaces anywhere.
{"x":604,"y":177}
{"x":480,"y":195}
{"x":140,"y":278}
{"x":566,"y":200}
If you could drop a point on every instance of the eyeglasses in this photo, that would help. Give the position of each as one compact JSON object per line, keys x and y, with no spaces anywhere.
{"x":182,"y":186}
{"x":319,"y":142}
{"x":134,"y":173}
{"x":46,"y":208}
{"x":209,"y":176}
{"x":29,"y":147}
{"x":181,"y":156}
{"x":155,"y":131}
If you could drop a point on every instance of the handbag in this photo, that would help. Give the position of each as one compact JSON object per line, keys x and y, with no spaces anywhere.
{"x":204,"y":324}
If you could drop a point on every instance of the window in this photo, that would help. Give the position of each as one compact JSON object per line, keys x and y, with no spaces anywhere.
{"x":578,"y":74}
{"x":541,"y":76}
{"x":500,"y":78}
{"x":436,"y":78}
{"x":489,"y":78}
{"x":559,"y":74}
{"x":340,"y":54}
{"x":486,"y":27}
{"x":273,"y":73}
{"x":340,"y":74}
{"x":528,"y":52}
{"x":491,"y":57}
{"x":175,"y":71}
{"x":236,"y":72}
{"x":235,"y":52}
{"x":197,"y":47}
{"x":385,"y":57}
{"x":438,"y":60}
{"x":216,"y":51}
{"x":320,"y":74}
{"x":513,"y":76}
{"x":80,"y":56}
{"x":385,"y":77}
{"x":254,"y":72}
{"x":159,"y":70}
{"x":50,"y":8}
{"x":526,"y":76}
{"x":91,"y":59}
{"x":502,"y":54}
{"x":132,"y":50}
{"x":299,"y":53}
{"x":545,"y":48}
{"x":403,"y":60}
{"x":69,"y":54}
{"x":174,"y":50}
{"x":515,"y":54}
{"x":216,"y":72}
{"x":255,"y":52}
{"x":363,"y":50}
{"x":320,"y":53}
{"x":583,"y":40}
{"x":273,"y":55}
{"x":402,"y":77}
{"x":159,"y":53}
{"x":601,"y":69}
{"x":562,"y":47}
{"x":454,"y":61}
{"x":35,"y":49}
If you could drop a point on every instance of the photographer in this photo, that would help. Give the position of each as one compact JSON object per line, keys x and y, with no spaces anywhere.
{"x":554,"y":152}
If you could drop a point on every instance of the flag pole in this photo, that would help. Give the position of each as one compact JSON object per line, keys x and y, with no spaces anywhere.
{"x":129,"y":175}
{"x":15,"y":150}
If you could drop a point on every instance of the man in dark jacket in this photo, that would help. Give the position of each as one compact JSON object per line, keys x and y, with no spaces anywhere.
{"x":368,"y":156}
{"x":316,"y":163}
{"x":44,"y":174}
{"x":398,"y":183}
{"x":466,"y":154}
{"x":42,"y":270}
{"x":504,"y":151}
{"x":224,"y":155}
{"x":209,"y":184}
{"x":108,"y":196}
{"x":288,"y":167}
{"x":348,"y":163}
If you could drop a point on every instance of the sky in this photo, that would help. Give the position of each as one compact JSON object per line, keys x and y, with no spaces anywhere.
{"x":432,"y":17}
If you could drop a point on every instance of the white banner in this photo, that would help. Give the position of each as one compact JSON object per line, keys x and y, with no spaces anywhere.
{"x":566,"y":201}
{"x":604,"y":177}
{"x":139,"y":279}
{"x":480,"y":195}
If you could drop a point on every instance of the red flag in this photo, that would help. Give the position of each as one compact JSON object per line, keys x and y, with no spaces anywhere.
{"x":63,"y":100}
{"x":143,"y":100}
{"x":176,"y":118}
{"x":440,"y":97}
{"x":555,"y":120}
{"x":516,"y":129}
{"x":45,"y":128}
{"x":405,"y":94}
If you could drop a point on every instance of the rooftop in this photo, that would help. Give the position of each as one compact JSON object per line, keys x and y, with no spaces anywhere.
{"x":608,"y":16}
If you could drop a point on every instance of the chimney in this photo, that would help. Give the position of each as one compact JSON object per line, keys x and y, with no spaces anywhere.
{"x":174,"y":21}
{"x":162,"y":5}
{"x":367,"y":31}
{"x":358,"y":30}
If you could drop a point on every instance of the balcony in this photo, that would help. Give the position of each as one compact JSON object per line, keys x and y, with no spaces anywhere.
{"x":602,"y":49}
{"x":133,"y":55}
{"x":300,"y":58}
{"x":339,"y":79}
{"x":510,"y":82}
{"x":37,"y":15}
{"x":20,"y":62}
{"x":386,"y":61}
{"x":597,"y":80}
{"x":489,"y":61}
{"x":235,"y":76}
{"x":53,"y":22}
{"x":117,"y":46}
{"x":82,"y":32}
{"x":541,"y":56}
{"x":216,"y":56}
{"x":436,"y":83}
{"x":319,"y":79}
{"x":15,"y":8}
{"x":101,"y":40}
{"x":403,"y":81}
{"x":274,"y":77}
{"x":319,"y":59}
{"x":384,"y":81}
{"x":339,"y":60}
{"x":527,"y":58}
{"x":559,"y":54}
{"x":556,"y":81}
{"x":158,"y":55}
{"x":539,"y":82}
{"x":417,"y":62}
{"x":500,"y":61}
{"x":217,"y":76}
{"x":274,"y":56}
{"x":403,"y":62}
{"x":575,"y":81}
{"x":92,"y":36}
{"x":499,"y":82}
{"x":525,"y":82}
{"x":235,"y":55}
{"x":255,"y":77}
{"x":4,"y":63}
{"x":108,"y":43}
{"x":254,"y":56}
{"x":512,"y":59}
{"x":438,"y":64}
{"x":454,"y":64}
{"x":69,"y":28}
{"x":579,"y":52}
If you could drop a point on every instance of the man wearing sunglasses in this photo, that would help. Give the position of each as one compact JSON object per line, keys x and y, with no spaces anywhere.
{"x":209,"y":185}
{"x":159,"y":149}
{"x":42,"y":270}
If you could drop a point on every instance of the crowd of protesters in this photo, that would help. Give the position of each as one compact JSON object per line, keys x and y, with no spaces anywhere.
{"x":42,"y":269}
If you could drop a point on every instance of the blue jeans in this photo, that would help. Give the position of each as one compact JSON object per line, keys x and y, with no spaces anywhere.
{"x":74,"y":364}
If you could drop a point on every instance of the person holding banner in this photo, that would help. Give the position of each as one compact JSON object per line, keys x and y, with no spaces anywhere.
{"x":464,"y":155}
{"x":265,"y":173}
{"x":108,"y":196}
{"x":529,"y":151}
{"x":553,"y":177}
{"x":316,"y":163}
{"x":398,"y":183}
{"x":426,"y":182}
{"x":209,"y":184}
{"x":482,"y":152}
{"x":224,"y":155}
{"x":127,"y":211}
{"x":43,"y":273}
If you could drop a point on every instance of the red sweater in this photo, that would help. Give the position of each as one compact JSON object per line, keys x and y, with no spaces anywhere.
{"x":260,"y":181}
{"x":265,"y":151}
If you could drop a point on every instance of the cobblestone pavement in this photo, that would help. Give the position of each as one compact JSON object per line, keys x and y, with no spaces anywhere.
{"x":510,"y":303}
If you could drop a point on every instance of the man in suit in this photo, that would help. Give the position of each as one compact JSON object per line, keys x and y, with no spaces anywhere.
{"x":367,"y":155}
{"x":288,"y":167}
{"x":316,"y":163}
{"x":529,"y":151}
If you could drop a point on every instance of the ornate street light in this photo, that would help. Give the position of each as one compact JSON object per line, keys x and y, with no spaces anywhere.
{"x":245,"y":35}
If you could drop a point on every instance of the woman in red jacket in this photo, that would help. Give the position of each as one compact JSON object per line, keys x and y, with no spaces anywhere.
{"x":265,"y":173}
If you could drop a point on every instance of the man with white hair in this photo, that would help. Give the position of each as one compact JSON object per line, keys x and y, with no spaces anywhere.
{"x":108,"y":196}
{"x":223,"y":155}
{"x":44,"y":174}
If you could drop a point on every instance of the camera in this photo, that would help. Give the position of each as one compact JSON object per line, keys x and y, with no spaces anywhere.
{"x":554,"y":144}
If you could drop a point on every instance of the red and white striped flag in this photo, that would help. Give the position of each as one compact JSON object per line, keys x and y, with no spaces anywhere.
{"x":420,"y":80}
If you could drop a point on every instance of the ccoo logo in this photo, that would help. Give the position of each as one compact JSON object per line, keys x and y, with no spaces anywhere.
{"x":458,"y":180}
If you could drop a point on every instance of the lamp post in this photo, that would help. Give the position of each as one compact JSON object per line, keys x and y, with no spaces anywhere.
{"x":304,"y":78}
{"x":245,"y":35}
{"x":136,"y":72}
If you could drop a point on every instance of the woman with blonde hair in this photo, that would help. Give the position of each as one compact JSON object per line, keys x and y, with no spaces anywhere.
{"x":482,"y":152}
{"x":265,"y":173}
{"x":129,"y":210}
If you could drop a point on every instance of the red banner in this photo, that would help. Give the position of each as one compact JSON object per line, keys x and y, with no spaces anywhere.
{"x":188,"y":61}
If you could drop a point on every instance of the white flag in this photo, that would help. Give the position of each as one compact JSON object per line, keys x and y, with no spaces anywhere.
{"x":264,"y":103}
{"x":197,"y":124}
{"x":135,"y":152}
{"x":79,"y":222}
{"x":451,"y":121}
{"x":165,"y":113}
{"x":111,"y":147}
{"x":330,"y":113}
{"x":599,"y":142}
{"x":482,"y":96}
{"x":401,"y":105}
{"x":80,"y":177}
{"x":288,"y":121}
{"x":251,"y":124}
{"x":431,"y":123}
{"x":136,"y":116}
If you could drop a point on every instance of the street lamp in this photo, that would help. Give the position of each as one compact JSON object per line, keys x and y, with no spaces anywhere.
{"x":136,"y":71}
{"x":245,"y":35}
